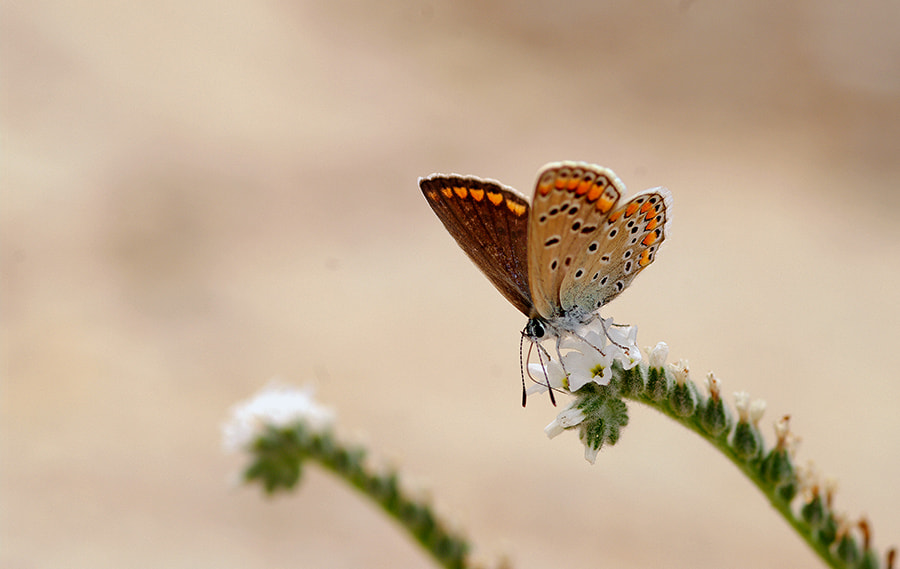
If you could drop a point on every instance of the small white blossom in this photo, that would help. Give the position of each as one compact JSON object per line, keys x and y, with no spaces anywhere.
{"x":624,"y":340}
{"x":549,"y":372}
{"x":629,"y":358}
{"x":590,"y":453}
{"x":757,"y":409}
{"x":586,"y":366}
{"x":808,"y":480}
{"x":586,"y":338}
{"x":566,"y":419}
{"x":658,"y":355}
{"x":625,"y":336}
{"x":782,"y":430}
{"x":714,"y":385}
{"x":681,"y":370}
{"x":277,"y":406}
{"x":742,"y":404}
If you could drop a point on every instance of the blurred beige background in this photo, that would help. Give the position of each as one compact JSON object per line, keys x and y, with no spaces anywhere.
{"x":200,"y":196}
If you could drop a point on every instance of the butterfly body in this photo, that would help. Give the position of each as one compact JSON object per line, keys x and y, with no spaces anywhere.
{"x":564,"y":255}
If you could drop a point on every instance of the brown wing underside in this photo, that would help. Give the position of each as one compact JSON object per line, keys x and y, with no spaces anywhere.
{"x":490,"y":223}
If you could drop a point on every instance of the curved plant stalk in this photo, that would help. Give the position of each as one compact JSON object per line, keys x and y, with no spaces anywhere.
{"x":598,"y":414}
{"x":283,"y":429}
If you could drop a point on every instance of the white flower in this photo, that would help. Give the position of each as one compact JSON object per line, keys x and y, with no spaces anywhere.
{"x":782,"y":430}
{"x":586,"y":366}
{"x":625,"y":336}
{"x":629,"y":358}
{"x":714,"y":385}
{"x":586,"y":338}
{"x":757,"y":408}
{"x":658,"y":355}
{"x":548,"y":372}
{"x":808,"y":480}
{"x":590,"y":453}
{"x":742,"y":404}
{"x":682,"y":371}
{"x":566,"y":419}
{"x":276,"y":406}
{"x":624,"y":340}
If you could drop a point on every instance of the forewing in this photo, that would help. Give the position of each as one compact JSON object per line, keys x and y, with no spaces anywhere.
{"x":572,"y":202}
{"x":490,"y":223}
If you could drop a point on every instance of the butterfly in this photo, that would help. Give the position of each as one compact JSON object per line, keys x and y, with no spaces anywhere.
{"x":565,"y":255}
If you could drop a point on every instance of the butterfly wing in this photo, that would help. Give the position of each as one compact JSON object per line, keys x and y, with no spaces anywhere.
{"x":583,"y":249}
{"x":627,"y":243}
{"x":490,"y":223}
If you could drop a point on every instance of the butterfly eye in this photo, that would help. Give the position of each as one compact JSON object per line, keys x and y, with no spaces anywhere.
{"x":534,"y":328}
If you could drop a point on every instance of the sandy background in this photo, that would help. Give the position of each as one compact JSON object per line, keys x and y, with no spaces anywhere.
{"x":199,"y":196}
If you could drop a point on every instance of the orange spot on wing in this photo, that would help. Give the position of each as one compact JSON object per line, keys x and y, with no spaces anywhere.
{"x":595,"y":192}
{"x":645,"y":258}
{"x":615,"y":216}
{"x":544,"y":186}
{"x":605,"y":203}
{"x":607,"y":200}
{"x":652,"y":225}
{"x":461,"y":192}
{"x":651,"y":214}
{"x":496,"y":198}
{"x":477,"y":195}
{"x":573,"y":183}
{"x":516,"y":208}
{"x":448,"y":192}
{"x":647,"y":205}
{"x":651,"y":238}
{"x":583,"y":187}
{"x":632,"y":207}
{"x":560,"y":182}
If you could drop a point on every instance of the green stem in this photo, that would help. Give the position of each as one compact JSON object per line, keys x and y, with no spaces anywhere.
{"x":750,"y":468}
{"x":278,"y":466}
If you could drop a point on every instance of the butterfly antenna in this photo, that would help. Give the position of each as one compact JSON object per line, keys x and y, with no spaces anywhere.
{"x":541,"y":351}
{"x":522,"y":369}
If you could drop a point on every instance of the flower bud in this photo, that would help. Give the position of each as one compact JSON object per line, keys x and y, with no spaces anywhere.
{"x":631,"y":382}
{"x":746,"y":441}
{"x":848,"y":550}
{"x":714,"y":416}
{"x":683,"y":398}
{"x":657,"y":383}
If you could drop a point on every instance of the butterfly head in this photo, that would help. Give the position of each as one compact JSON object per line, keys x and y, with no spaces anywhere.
{"x":535,"y":330}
